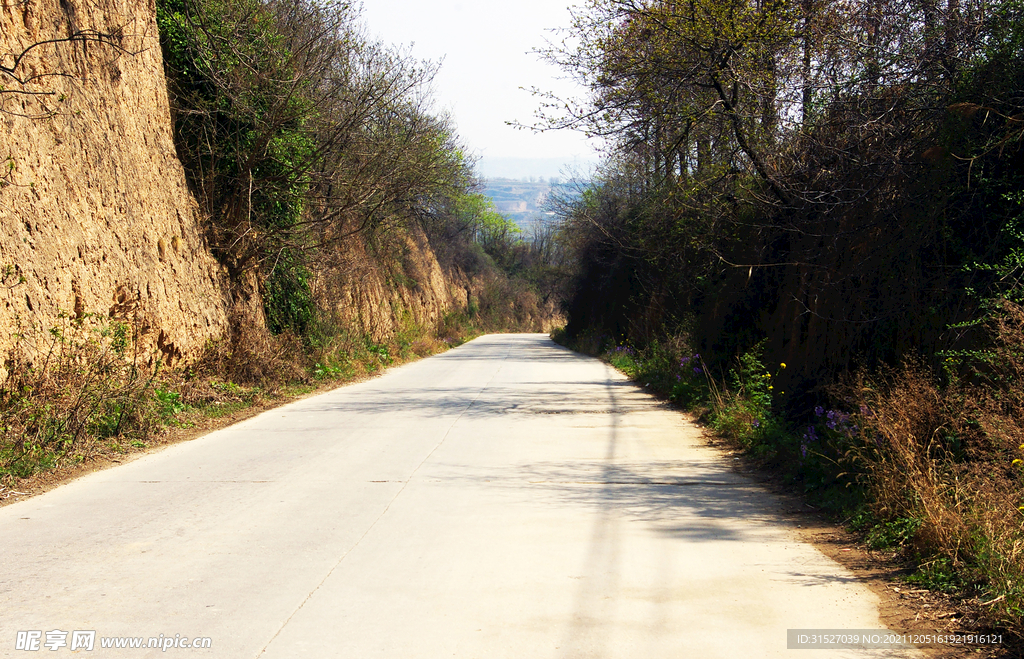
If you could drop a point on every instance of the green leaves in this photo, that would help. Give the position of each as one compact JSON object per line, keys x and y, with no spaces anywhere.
{"x":287,"y":299}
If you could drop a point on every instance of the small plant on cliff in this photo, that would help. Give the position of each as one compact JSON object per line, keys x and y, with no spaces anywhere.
{"x":10,"y":277}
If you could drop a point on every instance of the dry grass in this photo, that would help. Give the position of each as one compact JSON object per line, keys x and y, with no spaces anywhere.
{"x":70,"y":390}
{"x":948,"y":456}
{"x":250,"y":355}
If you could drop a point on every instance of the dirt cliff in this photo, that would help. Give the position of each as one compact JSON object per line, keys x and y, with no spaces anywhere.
{"x":96,"y":219}
{"x":378,"y":296}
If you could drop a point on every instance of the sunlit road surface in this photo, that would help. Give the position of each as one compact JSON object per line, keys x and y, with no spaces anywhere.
{"x":508,"y":498}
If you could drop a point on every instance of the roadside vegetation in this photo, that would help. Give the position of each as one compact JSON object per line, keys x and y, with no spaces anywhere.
{"x":316,"y":153}
{"x":85,"y":390}
{"x":807,"y":230}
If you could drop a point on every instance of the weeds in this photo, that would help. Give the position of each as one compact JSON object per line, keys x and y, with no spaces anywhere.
{"x":87,"y":388}
{"x":938,"y":574}
{"x":947,"y":452}
{"x":68,"y":388}
{"x":893,"y":533}
{"x":168,"y":405}
{"x":744,"y":411}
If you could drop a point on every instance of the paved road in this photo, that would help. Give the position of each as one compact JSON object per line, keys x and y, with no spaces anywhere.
{"x":506,"y":499}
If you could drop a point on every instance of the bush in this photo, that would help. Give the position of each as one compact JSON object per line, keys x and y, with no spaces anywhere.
{"x":942,"y":463}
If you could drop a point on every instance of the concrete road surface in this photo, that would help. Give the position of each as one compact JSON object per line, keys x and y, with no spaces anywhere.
{"x":508,"y":498}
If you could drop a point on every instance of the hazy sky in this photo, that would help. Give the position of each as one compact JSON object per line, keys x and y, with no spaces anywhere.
{"x":486,"y":46}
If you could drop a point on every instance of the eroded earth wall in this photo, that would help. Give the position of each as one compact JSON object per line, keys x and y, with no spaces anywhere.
{"x":378,"y":300}
{"x":96,"y":219}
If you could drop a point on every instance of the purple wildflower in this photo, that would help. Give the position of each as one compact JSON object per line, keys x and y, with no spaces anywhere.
{"x":837,"y":420}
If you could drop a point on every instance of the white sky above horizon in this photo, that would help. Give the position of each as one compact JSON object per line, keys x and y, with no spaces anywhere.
{"x":485,"y":49}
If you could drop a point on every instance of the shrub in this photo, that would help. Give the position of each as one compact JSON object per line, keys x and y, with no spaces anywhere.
{"x":942,"y":465}
{"x":68,"y":389}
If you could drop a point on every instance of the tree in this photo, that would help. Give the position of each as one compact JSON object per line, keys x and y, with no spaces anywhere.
{"x":298,"y":133}
{"x":776,"y":168}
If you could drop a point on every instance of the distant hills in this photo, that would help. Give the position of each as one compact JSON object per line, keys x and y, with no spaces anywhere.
{"x":525,"y":201}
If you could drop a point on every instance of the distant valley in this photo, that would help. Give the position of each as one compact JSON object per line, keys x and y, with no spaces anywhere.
{"x":524,"y":201}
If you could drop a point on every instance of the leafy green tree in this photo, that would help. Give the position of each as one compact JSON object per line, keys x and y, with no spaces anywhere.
{"x":299,"y":134}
